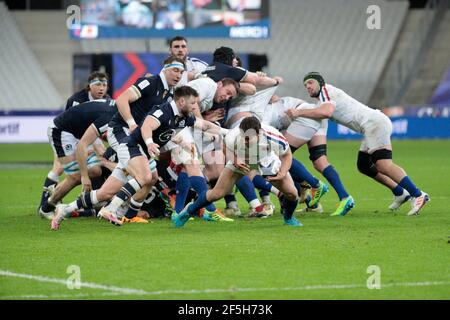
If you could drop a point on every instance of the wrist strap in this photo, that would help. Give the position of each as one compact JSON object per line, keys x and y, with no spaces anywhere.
{"x":131,"y":122}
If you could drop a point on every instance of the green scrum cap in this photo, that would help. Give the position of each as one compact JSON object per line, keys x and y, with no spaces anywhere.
{"x":316,"y":76}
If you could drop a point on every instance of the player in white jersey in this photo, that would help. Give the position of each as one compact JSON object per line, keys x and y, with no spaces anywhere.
{"x":375,"y":153}
{"x":178,"y":47}
{"x":252,"y":148}
{"x":209,"y":92}
{"x":300,"y":129}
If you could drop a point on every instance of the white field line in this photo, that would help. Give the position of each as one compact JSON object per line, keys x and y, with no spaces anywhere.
{"x":115,"y":291}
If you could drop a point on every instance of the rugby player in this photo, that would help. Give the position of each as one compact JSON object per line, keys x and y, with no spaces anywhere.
{"x":375,"y":153}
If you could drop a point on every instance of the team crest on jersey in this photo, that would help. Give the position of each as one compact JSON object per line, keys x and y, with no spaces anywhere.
{"x":167,"y":135}
{"x":68,"y":147}
{"x":143,"y":84}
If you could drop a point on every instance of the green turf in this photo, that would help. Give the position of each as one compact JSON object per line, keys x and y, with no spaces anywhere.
{"x":238,"y":259}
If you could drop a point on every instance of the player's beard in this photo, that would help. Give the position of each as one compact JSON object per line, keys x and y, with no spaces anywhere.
{"x":316,"y":95}
{"x":185,"y":113}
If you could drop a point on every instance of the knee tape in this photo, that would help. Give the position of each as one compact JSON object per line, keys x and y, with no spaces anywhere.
{"x":381,"y":154}
{"x":365,"y":165}
{"x":317,"y":151}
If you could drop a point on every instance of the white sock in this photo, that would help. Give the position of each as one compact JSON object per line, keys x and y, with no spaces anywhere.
{"x":255,"y":203}
{"x":53,"y":176}
{"x":71,"y":207}
{"x":116,"y":202}
{"x":94,"y":199}
{"x":233,"y":204}
{"x":266,"y":199}
{"x":275,"y":191}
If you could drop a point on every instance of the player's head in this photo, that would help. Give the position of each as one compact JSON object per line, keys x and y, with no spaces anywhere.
{"x":97,"y":84}
{"x":313,"y":82}
{"x":173,"y":70}
{"x":186,"y":99}
{"x":250,"y":128}
{"x":178,"y":47}
{"x":227,"y":89}
{"x":225,"y":55}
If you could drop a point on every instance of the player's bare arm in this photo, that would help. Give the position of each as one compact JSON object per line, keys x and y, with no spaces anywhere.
{"x":150,"y":124}
{"x":123,"y":105}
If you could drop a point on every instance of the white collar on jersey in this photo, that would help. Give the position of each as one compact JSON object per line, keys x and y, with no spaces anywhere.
{"x":174,"y":108}
{"x":164,"y":81}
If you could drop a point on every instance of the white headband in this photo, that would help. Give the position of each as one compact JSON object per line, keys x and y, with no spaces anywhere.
{"x":174,"y":64}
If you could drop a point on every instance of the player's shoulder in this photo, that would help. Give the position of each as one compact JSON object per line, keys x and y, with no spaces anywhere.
{"x":204,"y":82}
{"x":270,"y":129}
{"x":144,"y":82}
{"x":78,"y":97}
{"x":198,"y":62}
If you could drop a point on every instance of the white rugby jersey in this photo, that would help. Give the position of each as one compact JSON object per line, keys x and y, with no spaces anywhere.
{"x":280,"y":119}
{"x":271,"y":141}
{"x":206,"y":88}
{"x":192,"y":64}
{"x":348,"y":111}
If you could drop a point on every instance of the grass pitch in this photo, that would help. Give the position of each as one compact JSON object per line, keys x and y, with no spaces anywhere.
{"x":328,"y":258}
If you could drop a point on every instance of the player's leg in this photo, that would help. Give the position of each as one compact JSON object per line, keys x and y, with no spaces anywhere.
{"x":318,"y":155}
{"x":138,"y":199}
{"x":297,"y":135}
{"x":223,"y":186}
{"x":379,"y":146}
{"x":199,"y":184}
{"x":138,"y":167}
{"x":289,"y":199}
{"x":51,"y":180}
{"x":90,"y":199}
{"x":367,"y":167}
{"x":265,"y":189}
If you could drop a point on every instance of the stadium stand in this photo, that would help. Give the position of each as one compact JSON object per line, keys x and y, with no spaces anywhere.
{"x":46,"y":34}
{"x":433,"y":68}
{"x":419,"y":58}
{"x":24,"y":84}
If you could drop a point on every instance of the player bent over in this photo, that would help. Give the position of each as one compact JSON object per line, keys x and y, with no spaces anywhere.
{"x":251,"y":148}
{"x":375,"y":153}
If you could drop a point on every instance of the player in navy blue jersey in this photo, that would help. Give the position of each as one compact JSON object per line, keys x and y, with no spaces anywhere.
{"x":96,"y":88}
{"x":134,"y":103}
{"x":138,"y":151}
{"x":64,"y":134}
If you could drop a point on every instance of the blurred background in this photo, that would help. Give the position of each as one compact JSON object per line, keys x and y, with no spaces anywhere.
{"x":391,"y":55}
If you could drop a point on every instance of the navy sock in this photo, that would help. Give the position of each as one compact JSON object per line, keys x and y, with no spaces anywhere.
{"x":298,"y":186}
{"x":263,"y":193}
{"x":44,"y":197}
{"x":48,"y":182}
{"x":230,"y":198}
{"x":199,"y":185}
{"x":300,"y":173}
{"x":247,"y":188}
{"x":397,"y":191}
{"x":262,"y":184}
{"x":133,"y":209}
{"x":409,"y":186}
{"x":201,"y":202}
{"x":333,"y":178}
{"x":289,"y":208}
{"x":182,"y":188}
